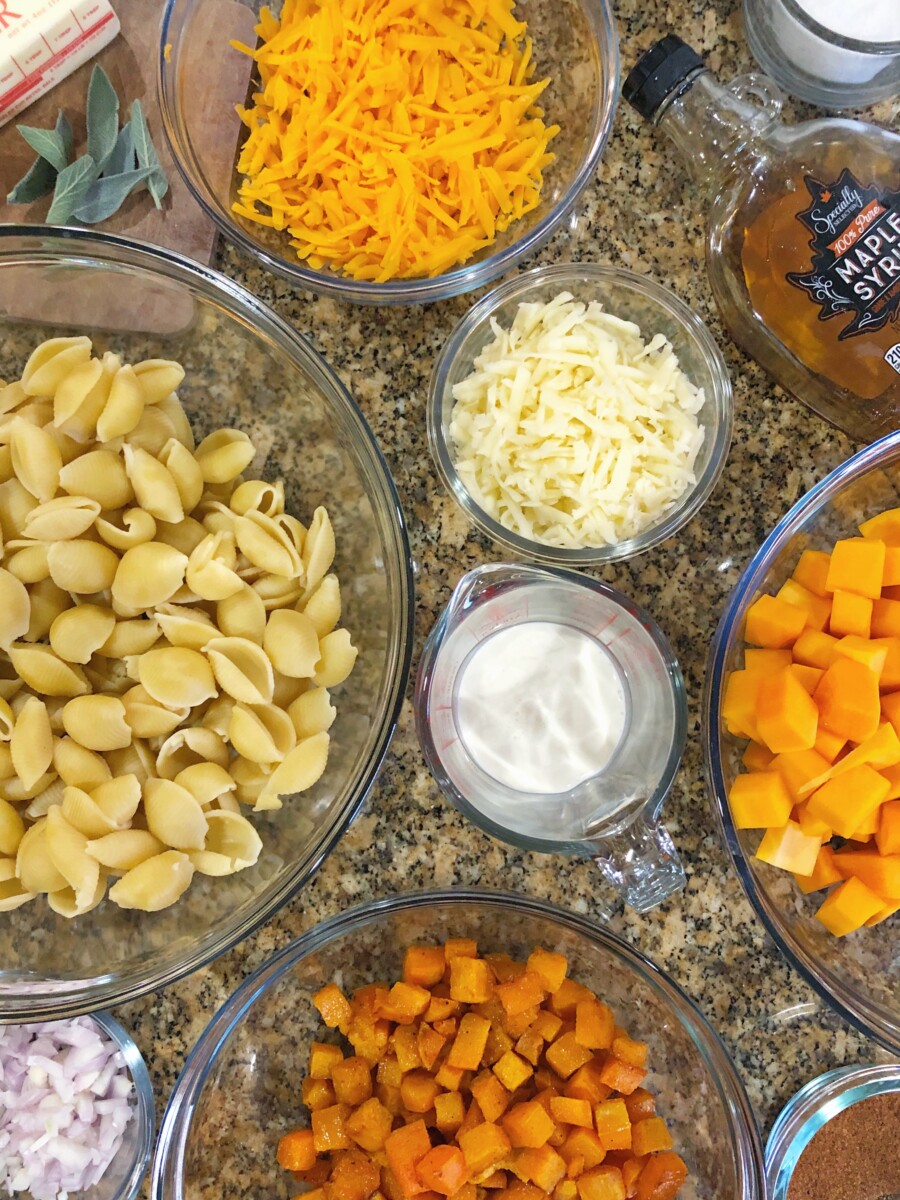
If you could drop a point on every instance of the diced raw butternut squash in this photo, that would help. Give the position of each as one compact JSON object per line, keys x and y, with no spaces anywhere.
{"x":789,"y":848}
{"x":883,"y":913}
{"x":512,"y":1070}
{"x":870,"y":652}
{"x":405,"y":1148}
{"x":815,"y":649}
{"x":492,"y":1096}
{"x":786,"y":716}
{"x":484,"y":1146}
{"x":811,"y":571}
{"x":329,"y":1129}
{"x":739,"y":703}
{"x":811,"y":825}
{"x":333,"y":1006}
{"x":879,"y":872}
{"x":848,"y":907}
{"x":773,"y":623}
{"x":848,"y":700}
{"x":423,"y":966}
{"x":889,"y":676}
{"x":885,"y":527}
{"x":613,"y":1124}
{"x":887,"y":836}
{"x":867,"y":830}
{"x":807,"y":677}
{"x":766,"y":662}
{"x":471,"y":980}
{"x":528,"y":1124}
{"x":443,"y":1169}
{"x":881,"y":750}
{"x":886,"y":618}
{"x":549,"y":967}
{"x":823,"y":874}
{"x":829,"y":744}
{"x":594,"y":1025}
{"x":857,"y":565}
{"x":662,"y":1176}
{"x":449,"y":1110}
{"x":541,"y":1166}
{"x":370,"y":1125}
{"x":296,"y":1150}
{"x":851,"y":614}
{"x":566,"y":1055}
{"x":759,"y":800}
{"x":650,"y":1136}
{"x":817,"y":608}
{"x":892,"y":775}
{"x":797,"y":768}
{"x":322,"y":1059}
{"x":352,"y":1081}
{"x":845,"y":802}
{"x":601,"y":1183}
{"x":467,"y":1049}
{"x":757,"y":757}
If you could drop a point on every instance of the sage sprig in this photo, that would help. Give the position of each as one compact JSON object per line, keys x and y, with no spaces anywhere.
{"x":93,"y":186}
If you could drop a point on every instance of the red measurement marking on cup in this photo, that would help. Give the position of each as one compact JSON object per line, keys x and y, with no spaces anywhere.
{"x":621,"y":633}
{"x":446,"y":746}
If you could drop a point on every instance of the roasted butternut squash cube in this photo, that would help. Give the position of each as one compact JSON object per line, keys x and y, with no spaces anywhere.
{"x":429,"y":1044}
{"x":585,"y":1146}
{"x":621,"y":1076}
{"x":650,"y":1136}
{"x":423,"y":966}
{"x":468,"y":1047}
{"x":566,"y":1055}
{"x":460,"y":948}
{"x":352,"y":1081}
{"x":568,"y":1110}
{"x":601,"y":1183}
{"x":296,"y":1150}
{"x":528,"y":1124}
{"x":549,"y":967}
{"x":471,"y":980}
{"x":525,"y":992}
{"x":329,"y":1129}
{"x":484,"y":1146}
{"x":317,"y":1093}
{"x":419,"y":1090}
{"x":512,"y":1070}
{"x":333,"y":1006}
{"x":541,"y":1166}
{"x":547,"y":1025}
{"x":530,"y":1046}
{"x":594,"y":1024}
{"x":404,"y":1148}
{"x":564,"y":1000}
{"x":443,"y":1169}
{"x":586,"y":1083}
{"x":404,"y":1002}
{"x":629,"y":1050}
{"x":322,"y":1059}
{"x":640,"y":1104}
{"x":492,"y":1096}
{"x":353,"y":1176}
{"x":661,"y":1178}
{"x":449,"y":1110}
{"x":369,"y":1125}
{"x":613,"y":1124}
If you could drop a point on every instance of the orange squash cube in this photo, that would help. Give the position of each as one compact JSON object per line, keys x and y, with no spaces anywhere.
{"x":850,"y":614}
{"x":492,"y":1096}
{"x":823,"y":875}
{"x":871,"y":652}
{"x":828,"y":744}
{"x":857,"y":565}
{"x":773,"y":623}
{"x":891,"y":575}
{"x":352,"y":1081}
{"x":766,"y":662}
{"x":584,"y":1145}
{"x":797,"y":768}
{"x":471,"y":980}
{"x":353,"y":1176}
{"x":566,"y":1055}
{"x":650,"y":1136}
{"x":848,"y":700}
{"x":403,"y":1003}
{"x":369,"y":1125}
{"x":450,"y":1078}
{"x":429,"y":1044}
{"x":550,"y":968}
{"x":317,"y":1093}
{"x":845,"y":801}
{"x":404,"y":1148}
{"x":885,"y":527}
{"x":640,"y":1105}
{"x":629,"y":1050}
{"x":817,"y":608}
{"x":739,"y":703}
{"x":601,"y":1183}
{"x":662,"y":1177}
{"x":322,"y":1059}
{"x":565,"y":999}
{"x":483,"y":1146}
{"x":504,"y":968}
{"x":631,"y":1169}
{"x":815,"y":649}
{"x":613,"y":1124}
{"x":887,"y":836}
{"x":568,"y":1110}
{"x":885,"y":618}
{"x":807,"y":677}
{"x":296,"y":1150}
{"x":786,"y":717}
{"x":759,"y":800}
{"x":879,"y":872}
{"x":528,"y":1124}
{"x":586,"y":1083}
{"x":329,"y":1129}
{"x":546,"y":1025}
{"x":460,"y":948}
{"x":566,"y":1189}
{"x":889,"y":676}
{"x":333,"y":1006}
{"x":594,"y":1025}
{"x":541,"y":1166}
{"x":811,"y":571}
{"x":848,"y":907}
{"x":883,"y":913}
{"x":757,"y":757}
{"x":520,"y":994}
{"x":449,"y":1111}
{"x":423,"y":966}
{"x":812,"y":826}
{"x":512,"y":1070}
{"x":621,"y":1076}
{"x":443,"y":1169}
{"x":466,"y":1051}
{"x":790,"y":849}
{"x":419,"y":1090}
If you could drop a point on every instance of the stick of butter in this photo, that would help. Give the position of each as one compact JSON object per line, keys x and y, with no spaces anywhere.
{"x":43,"y":41}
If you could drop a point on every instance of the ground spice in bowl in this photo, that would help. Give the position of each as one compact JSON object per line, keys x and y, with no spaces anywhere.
{"x":854,"y":1156}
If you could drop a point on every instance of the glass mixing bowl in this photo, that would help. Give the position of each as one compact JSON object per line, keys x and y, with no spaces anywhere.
{"x":623,"y":294}
{"x":245,"y":368}
{"x":240,"y":1088}
{"x":575,"y":44}
{"x":858,"y":974}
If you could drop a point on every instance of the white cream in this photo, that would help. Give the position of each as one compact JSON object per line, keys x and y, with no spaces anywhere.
{"x":540,"y":707}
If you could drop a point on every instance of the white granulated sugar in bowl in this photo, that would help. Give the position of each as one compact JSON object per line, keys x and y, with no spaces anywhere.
{"x":572,"y":430}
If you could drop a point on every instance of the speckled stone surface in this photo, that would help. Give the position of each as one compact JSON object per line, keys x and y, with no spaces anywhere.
{"x":640,"y":212}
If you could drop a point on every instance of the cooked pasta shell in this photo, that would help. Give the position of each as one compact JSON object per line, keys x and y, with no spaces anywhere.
{"x":172,"y":407}
{"x":216,"y":516}
{"x":291,"y":643}
{"x":75,"y":389}
{"x":153,"y":485}
{"x":242,"y":614}
{"x":12,"y":829}
{"x":242,"y":669}
{"x":136,"y":759}
{"x":185,"y":470}
{"x":185,"y":626}
{"x":12,"y":893}
{"x":147,"y":575}
{"x":130,"y":637}
{"x":34,"y":865}
{"x":287,"y":689}
{"x":210,"y":570}
{"x":16,"y":502}
{"x":31,"y":744}
{"x":133,"y":528}
{"x":151,"y":433}
{"x":78,"y":633}
{"x":15,"y":791}
{"x":15,"y":609}
{"x":177,"y":677}
{"x":36,"y":459}
{"x":267,"y":545}
{"x":312,"y":713}
{"x":47,"y":602}
{"x":83,"y":813}
{"x":147,"y":718}
{"x":62,"y":518}
{"x":277,"y":592}
{"x":232,"y":844}
{"x":41,"y":804}
{"x":52,"y":361}
{"x":36,"y":412}
{"x":124,"y":849}
{"x":66,"y":847}
{"x":218,"y":716}
{"x":262,"y":733}
{"x":44,"y":672}
{"x":323,"y":605}
{"x":299,"y":771}
{"x":97,"y":722}
{"x":188,"y":746}
{"x":173,"y":815}
{"x":7,"y":771}
{"x":319,"y":547}
{"x":185,"y":535}
{"x":224,"y":454}
{"x":6,"y":470}
{"x":11,"y":396}
{"x":158,"y":377}
{"x":155,"y":883}
{"x":206,"y":781}
{"x":81,"y":566}
{"x":28,"y":561}
{"x":124,"y":406}
{"x":81,"y":423}
{"x":69,"y":903}
{"x":267,"y":498}
{"x":118,"y":799}
{"x":78,"y":766}
{"x":338,"y":656}
{"x":250,"y":779}
{"x":99,"y":475}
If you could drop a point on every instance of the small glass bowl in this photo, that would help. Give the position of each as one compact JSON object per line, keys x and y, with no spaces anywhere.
{"x":814,"y":1106}
{"x":575,"y":45}
{"x":624,"y":294}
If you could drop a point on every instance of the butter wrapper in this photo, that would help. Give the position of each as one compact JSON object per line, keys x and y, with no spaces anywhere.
{"x":43,"y":41}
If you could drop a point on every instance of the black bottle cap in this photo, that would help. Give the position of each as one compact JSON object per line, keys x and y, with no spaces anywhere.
{"x":658,"y":73}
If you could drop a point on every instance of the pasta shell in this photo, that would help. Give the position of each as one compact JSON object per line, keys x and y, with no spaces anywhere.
{"x":224,"y":454}
{"x":242,"y":669}
{"x":11,"y":396}
{"x":78,"y":633}
{"x":31,"y":744}
{"x":261,"y":733}
{"x":57,"y":520}
{"x":149,"y":719}
{"x":154,"y":429}
{"x":30,"y":561}
{"x":184,"y":626}
{"x":319,"y":547}
{"x":267,"y":545}
{"x":291,"y":643}
{"x":137,"y":759}
{"x":287,"y":689}
{"x":69,"y":903}
{"x":66,"y":847}
{"x":242,"y":614}
{"x":216,"y":516}
{"x":7,"y":721}
{"x":134,"y":529}
{"x":15,"y":609}
{"x":185,"y":470}
{"x":312,"y":713}
{"x":338,"y":656}
{"x":267,"y":498}
{"x":173,"y":815}
{"x":12,"y":893}
{"x":232,"y":844}
{"x":15,"y":791}
{"x":6,"y":471}
{"x":155,"y":883}
{"x":153,"y":485}
{"x":210,"y":570}
{"x":84,"y":407}
{"x":250,"y":779}
{"x":124,"y":849}
{"x":147,"y":575}
{"x":177,"y":677}
{"x":206,"y":781}
{"x":118,"y":799}
{"x":47,"y":602}
{"x":78,"y":766}
{"x":44,"y":672}
{"x":34,"y":866}
{"x":12,"y":829}
{"x":83,"y":813}
{"x":75,"y":388}
{"x":299,"y":771}
{"x":16,"y":502}
{"x":158,"y":377}
{"x":323,"y":606}
{"x":36,"y":459}
{"x":51,"y":362}
{"x":97,"y":722}
{"x":6,"y":767}
{"x":186,"y":747}
{"x":218,"y":716}
{"x":172,"y":408}
{"x":185,"y":536}
{"x":81,"y":566}
{"x":124,"y":406}
{"x":277,"y":592}
{"x":130,"y":637}
{"x":51,"y":795}
{"x":99,"y":475}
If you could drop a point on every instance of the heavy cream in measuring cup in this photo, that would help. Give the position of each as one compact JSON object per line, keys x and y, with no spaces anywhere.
{"x":540,"y":706}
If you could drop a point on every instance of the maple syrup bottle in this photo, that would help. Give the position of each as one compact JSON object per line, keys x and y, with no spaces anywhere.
{"x":803,"y":241}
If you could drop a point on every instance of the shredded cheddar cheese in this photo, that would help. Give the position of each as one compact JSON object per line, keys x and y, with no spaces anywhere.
{"x":392,"y":139}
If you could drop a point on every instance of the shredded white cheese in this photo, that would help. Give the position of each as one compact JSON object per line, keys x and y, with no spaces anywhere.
{"x":572,"y":430}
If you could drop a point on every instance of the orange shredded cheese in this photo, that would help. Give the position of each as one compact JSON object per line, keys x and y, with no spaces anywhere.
{"x":392,"y":139}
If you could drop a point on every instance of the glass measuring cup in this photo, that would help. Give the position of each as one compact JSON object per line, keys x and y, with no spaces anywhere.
{"x":611,"y":817}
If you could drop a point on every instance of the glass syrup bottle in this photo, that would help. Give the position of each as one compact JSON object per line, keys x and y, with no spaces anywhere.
{"x":803,"y":240}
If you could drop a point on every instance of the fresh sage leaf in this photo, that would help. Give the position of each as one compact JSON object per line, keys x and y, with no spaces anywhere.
{"x":64,"y":132}
{"x":37,"y":181}
{"x":102,"y":117}
{"x":47,"y":143}
{"x":122,"y":158}
{"x":157,"y":183}
{"x":72,"y":186}
{"x":106,"y":196}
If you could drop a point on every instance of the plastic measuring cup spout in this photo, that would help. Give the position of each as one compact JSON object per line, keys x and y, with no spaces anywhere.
{"x":640,"y":861}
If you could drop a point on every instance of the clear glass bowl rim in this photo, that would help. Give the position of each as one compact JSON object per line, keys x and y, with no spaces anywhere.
{"x":517,"y":288}
{"x":813,"y":1106}
{"x":600,"y":17}
{"x":168,"y":1162}
{"x":39,"y":244}
{"x":866,"y":1016}
{"x":144,"y":1103}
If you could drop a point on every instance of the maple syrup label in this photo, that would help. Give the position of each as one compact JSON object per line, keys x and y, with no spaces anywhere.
{"x":856,"y":253}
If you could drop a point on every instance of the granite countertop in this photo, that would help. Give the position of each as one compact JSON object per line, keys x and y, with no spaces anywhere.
{"x":639,"y":213}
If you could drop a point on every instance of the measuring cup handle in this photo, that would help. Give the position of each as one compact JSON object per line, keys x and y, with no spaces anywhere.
{"x":641,"y":863}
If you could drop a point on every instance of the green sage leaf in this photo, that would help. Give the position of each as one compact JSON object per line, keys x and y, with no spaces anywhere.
{"x":64,"y":132}
{"x":72,"y":186}
{"x":106,"y":196}
{"x":102,"y":117}
{"x":157,"y":183}
{"x":123,"y":157}
{"x":47,"y":143}
{"x":37,"y":181}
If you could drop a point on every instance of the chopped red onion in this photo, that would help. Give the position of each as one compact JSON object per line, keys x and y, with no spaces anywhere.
{"x":65,"y":1099}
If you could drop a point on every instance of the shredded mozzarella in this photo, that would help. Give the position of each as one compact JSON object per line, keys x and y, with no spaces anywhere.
{"x":65,"y":1099}
{"x":572,"y":430}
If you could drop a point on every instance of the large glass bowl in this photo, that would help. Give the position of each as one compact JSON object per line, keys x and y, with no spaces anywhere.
{"x":575,"y":44}
{"x":246,"y":368}
{"x":240,"y":1088}
{"x":858,"y":974}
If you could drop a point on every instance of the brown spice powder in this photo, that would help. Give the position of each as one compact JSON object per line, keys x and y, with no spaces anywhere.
{"x":855,"y":1156}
